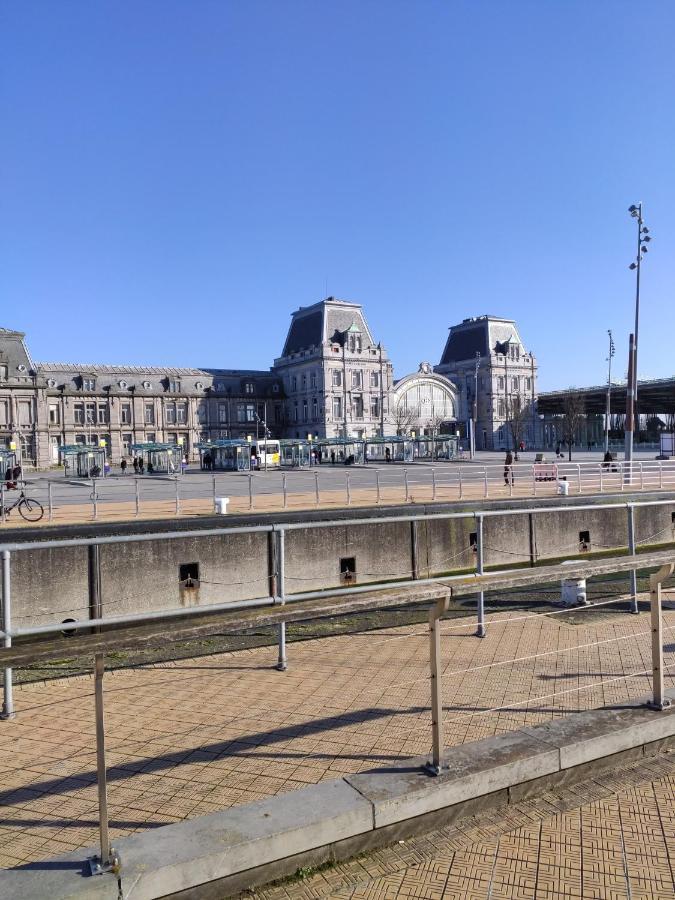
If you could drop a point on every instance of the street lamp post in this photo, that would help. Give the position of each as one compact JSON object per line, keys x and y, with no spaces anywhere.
{"x":609,"y":388}
{"x":474,"y":409}
{"x":643,"y":238}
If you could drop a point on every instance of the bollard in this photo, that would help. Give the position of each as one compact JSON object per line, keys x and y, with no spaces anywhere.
{"x":630,"y":509}
{"x":659,"y":700}
{"x":282,"y":662}
{"x":435,"y":666}
{"x":8,"y":694}
{"x":579,"y":478}
{"x":480,"y":631}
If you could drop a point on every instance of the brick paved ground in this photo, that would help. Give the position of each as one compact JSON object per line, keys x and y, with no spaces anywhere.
{"x":195,"y":736}
{"x":612,"y":836}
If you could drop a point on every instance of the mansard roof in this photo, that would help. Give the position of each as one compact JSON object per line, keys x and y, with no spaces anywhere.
{"x":325,"y":321}
{"x":477,"y":335}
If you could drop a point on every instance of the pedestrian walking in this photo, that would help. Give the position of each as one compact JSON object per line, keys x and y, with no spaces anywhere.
{"x":141,"y":466}
{"x":508,"y":468}
{"x":135,"y":465}
{"x":123,"y":466}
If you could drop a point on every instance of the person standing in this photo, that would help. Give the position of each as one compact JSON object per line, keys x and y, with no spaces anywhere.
{"x":123,"y":466}
{"x":508,"y":469}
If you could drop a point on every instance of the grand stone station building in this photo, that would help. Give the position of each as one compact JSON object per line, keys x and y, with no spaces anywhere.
{"x":332,"y":380}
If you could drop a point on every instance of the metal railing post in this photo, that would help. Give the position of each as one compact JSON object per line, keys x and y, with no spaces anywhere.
{"x":250,"y":491}
{"x":377,"y":484}
{"x":459,"y":472}
{"x":437,"y":610}
{"x":8,"y":694}
{"x":480,"y":630}
{"x":137,"y":492}
{"x":177,"y":492}
{"x":630,"y":509}
{"x":2,"y":502}
{"x":601,"y":487}
{"x":534,"y":482}
{"x":213,"y":480}
{"x":50,"y":503}
{"x":659,"y":700}
{"x":579,"y":478}
{"x":485,"y":474}
{"x":94,"y":498}
{"x":347,"y":485}
{"x":284,"y":488}
{"x":282,"y":662}
{"x":405,"y":480}
{"x":641,"y":477}
{"x":660,"y":475}
{"x":433,"y":484}
{"x":316,"y":487}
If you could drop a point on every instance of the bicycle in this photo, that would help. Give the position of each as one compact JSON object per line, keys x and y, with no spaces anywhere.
{"x":29,"y":509}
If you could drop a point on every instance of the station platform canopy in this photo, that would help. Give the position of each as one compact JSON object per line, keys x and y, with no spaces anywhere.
{"x":655,"y":396}
{"x":225,"y":454}
{"x":83,"y":461}
{"x":348,"y":451}
{"x":159,"y":459}
{"x":295,"y":453}
{"x":8,"y":460}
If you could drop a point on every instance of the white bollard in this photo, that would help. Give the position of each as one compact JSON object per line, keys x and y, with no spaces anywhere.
{"x":221,"y":505}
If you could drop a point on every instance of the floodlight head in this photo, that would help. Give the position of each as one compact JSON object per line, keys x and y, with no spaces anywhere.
{"x":645,"y":230}
{"x":633,"y":266}
{"x":644,"y":249}
{"x":632,"y":209}
{"x":646,"y":239}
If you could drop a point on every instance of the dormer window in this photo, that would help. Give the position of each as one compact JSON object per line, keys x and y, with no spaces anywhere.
{"x":122,"y":384}
{"x":147,"y":385}
{"x":173,"y":385}
{"x":3,"y":372}
{"x":88,"y":384}
{"x":249,"y":387}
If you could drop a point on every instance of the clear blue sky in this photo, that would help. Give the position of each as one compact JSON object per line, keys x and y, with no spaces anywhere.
{"x":177,"y":177}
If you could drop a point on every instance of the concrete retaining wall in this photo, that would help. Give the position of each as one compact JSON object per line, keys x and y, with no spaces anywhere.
{"x":51,"y":585}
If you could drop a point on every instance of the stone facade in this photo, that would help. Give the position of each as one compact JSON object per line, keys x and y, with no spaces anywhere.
{"x":331,"y":380}
{"x":337,"y":380}
{"x":507,"y":380}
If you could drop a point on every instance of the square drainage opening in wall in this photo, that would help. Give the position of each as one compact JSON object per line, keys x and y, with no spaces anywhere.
{"x":348,"y":570}
{"x":473,"y":541}
{"x":584,"y":541}
{"x":188,"y":575}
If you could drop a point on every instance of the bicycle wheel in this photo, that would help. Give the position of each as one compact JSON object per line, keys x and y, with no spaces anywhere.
{"x":31,"y":510}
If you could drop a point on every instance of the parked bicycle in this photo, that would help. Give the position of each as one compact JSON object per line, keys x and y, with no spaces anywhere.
{"x":29,"y":509}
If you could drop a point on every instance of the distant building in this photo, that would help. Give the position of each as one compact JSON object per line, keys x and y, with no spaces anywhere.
{"x":46,"y":405}
{"x":507,"y":380}
{"x":337,"y":380}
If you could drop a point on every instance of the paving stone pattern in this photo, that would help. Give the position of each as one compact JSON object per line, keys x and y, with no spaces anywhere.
{"x":611,"y":836}
{"x":200,"y":735}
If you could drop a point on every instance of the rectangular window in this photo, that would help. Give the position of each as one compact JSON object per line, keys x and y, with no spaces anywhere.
{"x":294,"y":383}
{"x":357,"y":378}
{"x":25,"y":412}
{"x":312,"y":380}
{"x":149,"y":416}
{"x":181,"y":413}
{"x":222,"y":413}
{"x":125,"y":414}
{"x":277,"y":414}
{"x":54,"y":417}
{"x":151,"y":436}
{"x":528,"y":384}
{"x":202,"y":414}
{"x":304,"y":381}
{"x":4,"y":410}
{"x":337,"y":407}
{"x":250,"y":412}
{"x":515,"y":383}
{"x":337,"y":378}
{"x":88,"y":384}
{"x":170,"y":414}
{"x":3,"y":372}
{"x":304,"y":410}
{"x":375,"y":379}
{"x":501,"y":382}
{"x":358,"y":407}
{"x":374,"y":407}
{"x":126,"y":444}
{"x":249,"y":388}
{"x":103,"y":414}
{"x":78,"y":414}
{"x":241,"y":412}
{"x":174,"y":385}
{"x":295,"y":411}
{"x":315,"y":409}
{"x":90,"y":413}
{"x":501,"y":409}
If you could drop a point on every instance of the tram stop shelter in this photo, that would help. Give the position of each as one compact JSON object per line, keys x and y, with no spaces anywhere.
{"x":295,"y":454}
{"x":440,"y":446}
{"x":346,"y":451}
{"x":83,"y":461}
{"x":397,"y":448}
{"x":159,"y":459}
{"x":225,"y":455}
{"x":8,"y":460}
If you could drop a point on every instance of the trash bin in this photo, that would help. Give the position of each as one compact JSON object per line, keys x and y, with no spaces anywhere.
{"x":221,"y":505}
